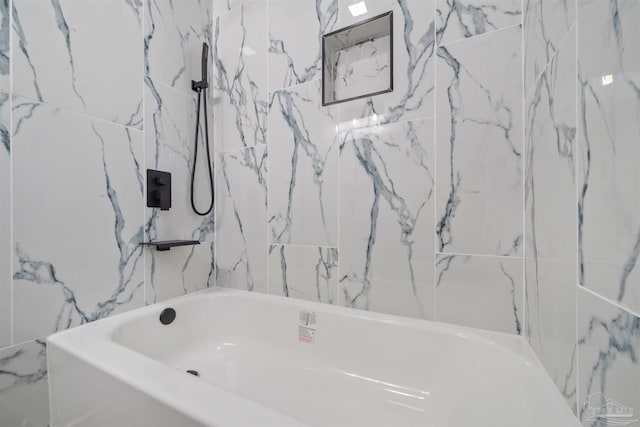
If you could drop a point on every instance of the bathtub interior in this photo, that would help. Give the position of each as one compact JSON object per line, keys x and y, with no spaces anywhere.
{"x":358,"y":370}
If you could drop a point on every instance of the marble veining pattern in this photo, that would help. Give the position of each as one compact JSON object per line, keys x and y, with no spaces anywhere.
{"x":386,"y":198}
{"x":241,"y":93}
{"x":304,"y":272}
{"x":414,"y":58}
{"x":479,"y":140}
{"x":363,"y":68}
{"x":54,"y":58}
{"x":547,"y":23}
{"x":174,"y":33}
{"x":550,"y":170}
{"x":609,"y":125}
{"x":550,"y":308}
{"x":170,"y":130}
{"x":609,"y":344}
{"x":481,"y":292}
{"x":241,"y":217}
{"x":76,"y":285}
{"x":76,"y":245}
{"x":178,"y":272}
{"x":303,"y":197}
{"x":5,"y":64}
{"x":551,"y":219}
{"x":24,"y":396}
{"x":459,"y":19}
{"x":295,"y":31}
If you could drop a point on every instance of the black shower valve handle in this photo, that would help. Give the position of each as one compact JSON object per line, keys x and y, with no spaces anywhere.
{"x":162,"y":180}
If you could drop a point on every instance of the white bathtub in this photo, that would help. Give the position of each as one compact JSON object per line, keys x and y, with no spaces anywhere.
{"x":261,"y":365}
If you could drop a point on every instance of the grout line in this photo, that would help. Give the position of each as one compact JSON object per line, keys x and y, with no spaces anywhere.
{"x":479,"y":255}
{"x":577,"y":164}
{"x":616,"y":304}
{"x":304,"y":246}
{"x":488,"y":33}
{"x":524,"y":321}
{"x":167,"y":86}
{"x":435,"y":165}
{"x":268,"y":136}
{"x":338,"y":300}
{"x":144,"y":160}
{"x":11,"y":202}
{"x":79,"y":114}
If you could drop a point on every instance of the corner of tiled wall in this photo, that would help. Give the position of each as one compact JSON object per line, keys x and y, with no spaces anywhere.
{"x":550,"y":189}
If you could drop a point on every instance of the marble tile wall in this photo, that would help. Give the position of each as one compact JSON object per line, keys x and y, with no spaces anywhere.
{"x":608,"y":226}
{"x":84,"y":110}
{"x":357,"y":198}
{"x":494,"y":187}
{"x":582,"y":113}
{"x":550,"y":189}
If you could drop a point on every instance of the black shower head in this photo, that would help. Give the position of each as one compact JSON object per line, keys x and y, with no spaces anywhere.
{"x":202,"y":84}
{"x":205,"y":59}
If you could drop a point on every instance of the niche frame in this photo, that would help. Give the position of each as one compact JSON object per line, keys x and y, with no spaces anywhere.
{"x":329,"y":52}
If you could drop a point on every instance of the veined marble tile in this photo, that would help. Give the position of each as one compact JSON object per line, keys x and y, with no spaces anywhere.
{"x":551,"y":219}
{"x":170,"y":132}
{"x":241,"y":219}
{"x":550,"y":159}
{"x":240,"y":73}
{"x":304,"y":272}
{"x":609,"y":106}
{"x":386,"y":219}
{"x":303,"y":179}
{"x":77,"y":254}
{"x":82,"y":56}
{"x":479,"y":140}
{"x":177,"y":272}
{"x":5,"y":65}
{"x":363,"y":68}
{"x":295,"y":39}
{"x":481,"y":292}
{"x":174,"y":33}
{"x":550,"y":307}
{"x":413,"y":63}
{"x":460,"y":19}
{"x":222,"y":6}
{"x":24,"y":394}
{"x":5,"y":220}
{"x":608,"y":345}
{"x":546,"y":24}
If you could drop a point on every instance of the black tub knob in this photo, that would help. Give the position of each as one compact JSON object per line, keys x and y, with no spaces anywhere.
{"x":167,"y":316}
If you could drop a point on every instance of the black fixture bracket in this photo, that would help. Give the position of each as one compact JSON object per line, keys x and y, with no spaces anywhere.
{"x":158,"y":189}
{"x":199,"y":86}
{"x":168,"y":244}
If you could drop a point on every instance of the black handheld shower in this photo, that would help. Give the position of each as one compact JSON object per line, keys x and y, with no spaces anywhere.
{"x":205,"y":59}
{"x":202,"y":84}
{"x":200,"y":87}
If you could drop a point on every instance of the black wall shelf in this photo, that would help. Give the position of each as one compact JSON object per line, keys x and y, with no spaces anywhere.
{"x":168,"y":244}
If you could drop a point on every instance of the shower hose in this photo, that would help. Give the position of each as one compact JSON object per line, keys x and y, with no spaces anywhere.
{"x":202,"y":100}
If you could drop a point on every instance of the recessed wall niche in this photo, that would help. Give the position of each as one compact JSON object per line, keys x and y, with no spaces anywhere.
{"x":358,"y":60}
